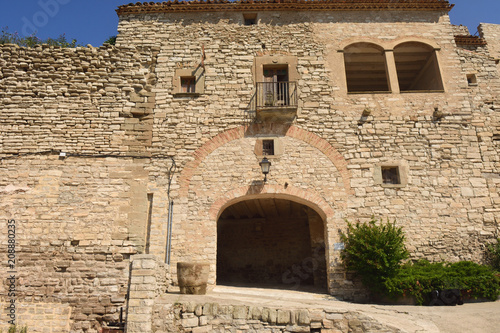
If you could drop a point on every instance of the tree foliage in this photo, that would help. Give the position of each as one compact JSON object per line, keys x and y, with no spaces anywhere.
{"x":7,"y":37}
{"x":374,"y":250}
{"x":111,"y":40}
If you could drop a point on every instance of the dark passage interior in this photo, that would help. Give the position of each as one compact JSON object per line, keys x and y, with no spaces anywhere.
{"x":271,"y":242}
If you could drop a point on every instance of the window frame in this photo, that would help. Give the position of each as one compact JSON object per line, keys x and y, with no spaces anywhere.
{"x":402,"y":170}
{"x":197,"y":74}
{"x":375,"y":50}
{"x":188,"y":84}
{"x":390,"y":60}
{"x":259,"y":147}
{"x":268,"y":147}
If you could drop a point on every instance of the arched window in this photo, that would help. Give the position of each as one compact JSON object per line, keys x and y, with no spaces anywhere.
{"x":366,"y":69}
{"x":417,"y":67}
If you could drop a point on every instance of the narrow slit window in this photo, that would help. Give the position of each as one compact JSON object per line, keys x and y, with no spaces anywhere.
{"x":267,"y":147}
{"x":188,"y":84}
{"x":390,"y":175}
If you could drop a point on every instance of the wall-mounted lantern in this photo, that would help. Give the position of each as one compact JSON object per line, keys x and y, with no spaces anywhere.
{"x":265,"y":165}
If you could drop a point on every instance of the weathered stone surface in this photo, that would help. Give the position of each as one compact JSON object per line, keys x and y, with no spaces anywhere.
{"x":343,"y":323}
{"x":116,"y":114}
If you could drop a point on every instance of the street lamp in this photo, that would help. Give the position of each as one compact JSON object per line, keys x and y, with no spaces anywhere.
{"x":265,"y":165}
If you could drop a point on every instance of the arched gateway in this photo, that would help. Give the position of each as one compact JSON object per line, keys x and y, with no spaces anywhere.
{"x":278,"y":232}
{"x":271,"y":240}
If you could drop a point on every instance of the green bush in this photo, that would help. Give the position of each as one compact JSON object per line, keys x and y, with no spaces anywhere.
{"x":7,"y":37}
{"x":421,"y":278}
{"x":111,"y":40}
{"x":374,"y":251}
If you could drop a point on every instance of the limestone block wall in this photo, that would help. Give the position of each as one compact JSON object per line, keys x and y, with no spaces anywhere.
{"x":448,"y":207}
{"x":78,"y":217}
{"x":73,"y":235}
{"x":491,"y":32}
{"x":148,"y":280}
{"x":199,"y":317}
{"x":83,"y":100}
{"x":41,"y":317}
{"x":133,"y":143}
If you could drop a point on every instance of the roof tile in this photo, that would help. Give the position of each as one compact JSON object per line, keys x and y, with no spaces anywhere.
{"x":266,"y":5}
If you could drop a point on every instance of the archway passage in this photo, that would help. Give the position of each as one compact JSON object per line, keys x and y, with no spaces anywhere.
{"x":271,"y":242}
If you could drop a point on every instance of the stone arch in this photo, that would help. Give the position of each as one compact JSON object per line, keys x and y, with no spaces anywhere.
{"x":242,"y":239}
{"x":306,"y":197}
{"x":415,"y":39}
{"x":352,"y":41}
{"x":387,"y":45}
{"x":417,"y":67}
{"x":366,"y":68}
{"x":239,"y":132}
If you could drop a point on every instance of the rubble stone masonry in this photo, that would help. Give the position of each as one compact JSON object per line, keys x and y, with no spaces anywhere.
{"x":119,"y":116}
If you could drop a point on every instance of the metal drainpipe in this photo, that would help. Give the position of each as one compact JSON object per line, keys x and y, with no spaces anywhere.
{"x":169,"y":231}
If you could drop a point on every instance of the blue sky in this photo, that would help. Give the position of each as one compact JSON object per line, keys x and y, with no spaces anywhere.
{"x":93,"y":21}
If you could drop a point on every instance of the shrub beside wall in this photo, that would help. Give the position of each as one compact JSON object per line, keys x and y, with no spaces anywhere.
{"x":422,"y":278}
{"x":375,"y":251}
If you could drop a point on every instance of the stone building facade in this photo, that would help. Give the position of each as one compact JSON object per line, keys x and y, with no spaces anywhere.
{"x":152,"y":147}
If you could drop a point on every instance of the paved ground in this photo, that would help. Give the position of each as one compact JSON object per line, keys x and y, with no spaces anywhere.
{"x":468,"y":318}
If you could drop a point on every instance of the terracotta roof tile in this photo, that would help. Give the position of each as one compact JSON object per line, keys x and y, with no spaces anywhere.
{"x":265,"y":5}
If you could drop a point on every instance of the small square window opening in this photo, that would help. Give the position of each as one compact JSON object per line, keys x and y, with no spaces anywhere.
{"x":471,"y":79}
{"x":390,"y":175}
{"x":267,"y":147}
{"x":250,"y":19}
{"x":188,"y":84}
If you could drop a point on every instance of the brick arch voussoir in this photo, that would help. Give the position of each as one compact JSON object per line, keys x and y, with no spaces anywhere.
{"x":239,"y":132}
{"x":305,"y":197}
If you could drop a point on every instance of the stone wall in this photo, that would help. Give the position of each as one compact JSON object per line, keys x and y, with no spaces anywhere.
{"x":214,"y":317}
{"x":41,"y":317}
{"x":133,"y":144}
{"x":149,"y":279}
{"x":73,"y":240}
{"x":83,"y":100}
{"x":78,"y":217}
{"x":449,"y":206}
{"x":491,"y":32}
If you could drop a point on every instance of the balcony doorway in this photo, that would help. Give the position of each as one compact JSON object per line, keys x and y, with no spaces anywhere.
{"x":276,"y":85}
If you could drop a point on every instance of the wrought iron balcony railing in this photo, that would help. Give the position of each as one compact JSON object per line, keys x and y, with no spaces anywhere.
{"x":276,"y":95}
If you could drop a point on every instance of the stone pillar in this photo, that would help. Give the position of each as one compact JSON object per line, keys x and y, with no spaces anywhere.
{"x":392,"y":74}
{"x":147,"y":281}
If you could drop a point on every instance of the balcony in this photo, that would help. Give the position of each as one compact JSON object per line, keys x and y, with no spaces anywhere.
{"x":276,"y":101}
